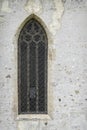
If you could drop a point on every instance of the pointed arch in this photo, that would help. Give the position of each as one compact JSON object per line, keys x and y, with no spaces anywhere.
{"x":32,"y":68}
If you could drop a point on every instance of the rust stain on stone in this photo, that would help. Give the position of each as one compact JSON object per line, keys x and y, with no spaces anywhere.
{"x":77,"y":91}
{"x":52,"y":54}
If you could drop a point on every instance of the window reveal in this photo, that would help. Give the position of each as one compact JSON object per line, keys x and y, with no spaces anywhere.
{"x":32,"y":69}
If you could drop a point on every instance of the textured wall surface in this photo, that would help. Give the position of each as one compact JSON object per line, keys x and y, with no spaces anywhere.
{"x":66,"y":22}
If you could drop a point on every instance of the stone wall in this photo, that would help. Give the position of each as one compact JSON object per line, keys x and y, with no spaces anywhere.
{"x":66,"y":25}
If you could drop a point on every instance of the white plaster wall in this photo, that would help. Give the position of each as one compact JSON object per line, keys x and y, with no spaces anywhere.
{"x":68,"y":31}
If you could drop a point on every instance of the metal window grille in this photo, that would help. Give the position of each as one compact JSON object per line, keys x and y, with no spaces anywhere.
{"x":32,"y":69}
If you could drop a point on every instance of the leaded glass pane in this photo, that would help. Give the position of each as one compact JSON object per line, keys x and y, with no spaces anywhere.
{"x":32,"y":69}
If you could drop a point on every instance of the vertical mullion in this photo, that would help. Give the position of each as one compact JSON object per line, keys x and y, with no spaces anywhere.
{"x":28,"y":78}
{"x":36,"y":78}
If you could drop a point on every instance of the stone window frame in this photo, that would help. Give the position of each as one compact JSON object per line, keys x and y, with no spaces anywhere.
{"x":47,"y":116}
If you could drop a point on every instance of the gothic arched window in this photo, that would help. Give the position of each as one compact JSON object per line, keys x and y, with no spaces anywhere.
{"x":32,"y":69}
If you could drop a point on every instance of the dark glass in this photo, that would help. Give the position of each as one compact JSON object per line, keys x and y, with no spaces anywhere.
{"x":32,"y":69}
